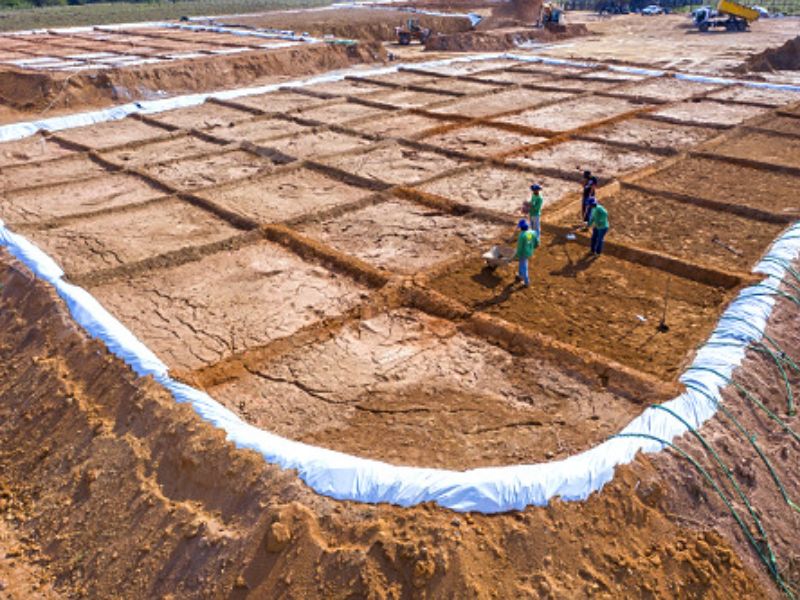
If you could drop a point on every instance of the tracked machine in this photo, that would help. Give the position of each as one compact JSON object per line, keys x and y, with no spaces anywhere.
{"x":410,"y":31}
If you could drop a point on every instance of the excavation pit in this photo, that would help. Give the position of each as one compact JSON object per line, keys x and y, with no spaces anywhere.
{"x":285,"y":195}
{"x":167,"y":150}
{"x":51,"y":172}
{"x":347,"y":87}
{"x":469,"y":68}
{"x":653,"y":134}
{"x":337,"y":114}
{"x":724,"y":240}
{"x":214,"y":169}
{"x":411,"y":389}
{"x":602,"y":159}
{"x":498,"y":189}
{"x":397,"y":125}
{"x":781,"y":125}
{"x":195,"y":314}
{"x":460,"y":86}
{"x":122,"y":237}
{"x":709,"y":112}
{"x":760,"y":95}
{"x":256,"y":130}
{"x":499,"y":103}
{"x":729,"y":184}
{"x":481,"y":140}
{"x":316,"y":143}
{"x":403,"y":237}
{"x":516,"y":77}
{"x":761,"y":147}
{"x":395,"y":164}
{"x":281,"y":101}
{"x":606,"y":305}
{"x":668,"y":89}
{"x":564,"y":116}
{"x":113,"y":133}
{"x":35,"y":148}
{"x":407,"y":98}
{"x":204,"y":116}
{"x":75,"y":197}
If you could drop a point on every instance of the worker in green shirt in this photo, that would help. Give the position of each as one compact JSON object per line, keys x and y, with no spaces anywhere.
{"x":535,"y":209}
{"x":599,"y":222}
{"x":527,"y":242}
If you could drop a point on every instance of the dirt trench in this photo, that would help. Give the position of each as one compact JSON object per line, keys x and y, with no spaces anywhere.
{"x":111,"y":488}
{"x":36,"y":92}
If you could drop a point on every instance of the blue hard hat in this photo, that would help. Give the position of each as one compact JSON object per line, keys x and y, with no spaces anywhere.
{"x":536,"y":187}
{"x":523,"y":224}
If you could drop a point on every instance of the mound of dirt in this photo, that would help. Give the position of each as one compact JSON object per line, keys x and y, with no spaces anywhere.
{"x":356,"y":24}
{"x":501,"y":39}
{"x":38,"y":91}
{"x":109,"y":488}
{"x":783,"y":58}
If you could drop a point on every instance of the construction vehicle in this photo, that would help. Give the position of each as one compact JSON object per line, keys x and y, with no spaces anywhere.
{"x":729,"y":14}
{"x":410,"y":31}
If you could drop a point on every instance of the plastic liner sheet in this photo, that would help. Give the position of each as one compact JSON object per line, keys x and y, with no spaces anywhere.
{"x":486,"y":490}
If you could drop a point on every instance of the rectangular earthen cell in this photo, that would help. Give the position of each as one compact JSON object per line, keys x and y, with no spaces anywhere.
{"x":516,"y":77}
{"x":195,"y":314}
{"x":407,"y":98}
{"x":203,"y":116}
{"x":762,"y":147}
{"x":114,"y":239}
{"x":394,"y":164}
{"x":653,"y":134}
{"x":604,"y":305}
{"x":342,"y":112}
{"x":745,"y":93}
{"x":781,"y":124}
{"x":403,"y":78}
{"x":256,"y":130}
{"x":403,"y":237}
{"x":471,"y":67}
{"x":113,"y":133}
{"x":556,"y":70}
{"x":215,"y":169}
{"x":718,"y":238}
{"x":171,"y":149}
{"x":411,"y":389}
{"x":70,"y":167}
{"x":730,"y":184}
{"x":281,"y":101}
{"x":75,"y":197}
{"x":285,"y":195}
{"x":666,"y":88}
{"x":451,"y":84}
{"x":501,"y":102}
{"x":481,"y":140}
{"x":316,"y":143}
{"x":498,"y":189}
{"x":31,"y":149}
{"x":567,"y":115}
{"x":714,"y":113}
{"x":397,"y":125}
{"x":610,"y":75}
{"x":347,"y":87}
{"x":579,"y":85}
{"x":602,"y":159}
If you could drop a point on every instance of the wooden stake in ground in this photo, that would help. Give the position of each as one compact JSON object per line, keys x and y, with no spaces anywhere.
{"x":662,"y":326}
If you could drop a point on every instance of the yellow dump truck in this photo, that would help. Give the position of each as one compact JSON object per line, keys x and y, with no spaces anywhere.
{"x":729,"y":14}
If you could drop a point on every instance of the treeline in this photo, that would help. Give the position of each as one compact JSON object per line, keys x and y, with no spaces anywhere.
{"x":40,"y":3}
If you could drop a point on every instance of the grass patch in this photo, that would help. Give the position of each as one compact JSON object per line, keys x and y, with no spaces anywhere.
{"x":12,"y":19}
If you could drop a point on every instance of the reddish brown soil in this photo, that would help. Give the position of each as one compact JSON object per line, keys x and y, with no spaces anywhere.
{"x":762,"y":147}
{"x":495,"y":40}
{"x":729,"y":183}
{"x":113,"y":489}
{"x":596,"y":304}
{"x":724,"y":240}
{"x":653,"y":134}
{"x":360,"y":24}
{"x":782,"y":125}
{"x":709,"y":113}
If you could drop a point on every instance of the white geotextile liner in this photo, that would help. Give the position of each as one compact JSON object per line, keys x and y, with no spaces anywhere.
{"x":487,"y":490}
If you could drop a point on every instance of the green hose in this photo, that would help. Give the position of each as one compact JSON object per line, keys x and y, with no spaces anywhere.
{"x":749,"y":396}
{"x":746,"y":530}
{"x":729,"y":475}
{"x":752,"y":439}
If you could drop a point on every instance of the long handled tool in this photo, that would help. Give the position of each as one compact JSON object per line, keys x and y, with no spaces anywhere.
{"x":662,"y":325}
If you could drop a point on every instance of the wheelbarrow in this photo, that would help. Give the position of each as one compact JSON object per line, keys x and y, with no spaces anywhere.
{"x":497,"y":256}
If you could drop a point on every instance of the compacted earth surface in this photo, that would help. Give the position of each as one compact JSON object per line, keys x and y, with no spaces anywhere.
{"x":311,"y":257}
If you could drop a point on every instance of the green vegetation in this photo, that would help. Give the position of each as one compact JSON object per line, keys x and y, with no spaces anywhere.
{"x":32,"y":14}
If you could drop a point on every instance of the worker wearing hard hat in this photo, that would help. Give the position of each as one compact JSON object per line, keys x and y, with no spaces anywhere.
{"x":527,"y":242}
{"x":599,"y":222}
{"x":535,"y":209}
{"x":588,"y":198}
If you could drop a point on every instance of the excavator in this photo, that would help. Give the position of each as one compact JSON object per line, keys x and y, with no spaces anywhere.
{"x":410,"y":31}
{"x":729,"y":14}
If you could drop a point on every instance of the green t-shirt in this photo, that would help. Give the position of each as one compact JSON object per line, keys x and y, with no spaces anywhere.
{"x":527,"y":242}
{"x":536,"y":204}
{"x":599,"y":217}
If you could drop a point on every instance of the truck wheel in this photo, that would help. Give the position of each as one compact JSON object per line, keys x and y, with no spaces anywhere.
{"x":741,"y":25}
{"x":730,"y":26}
{"x":703,"y":26}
